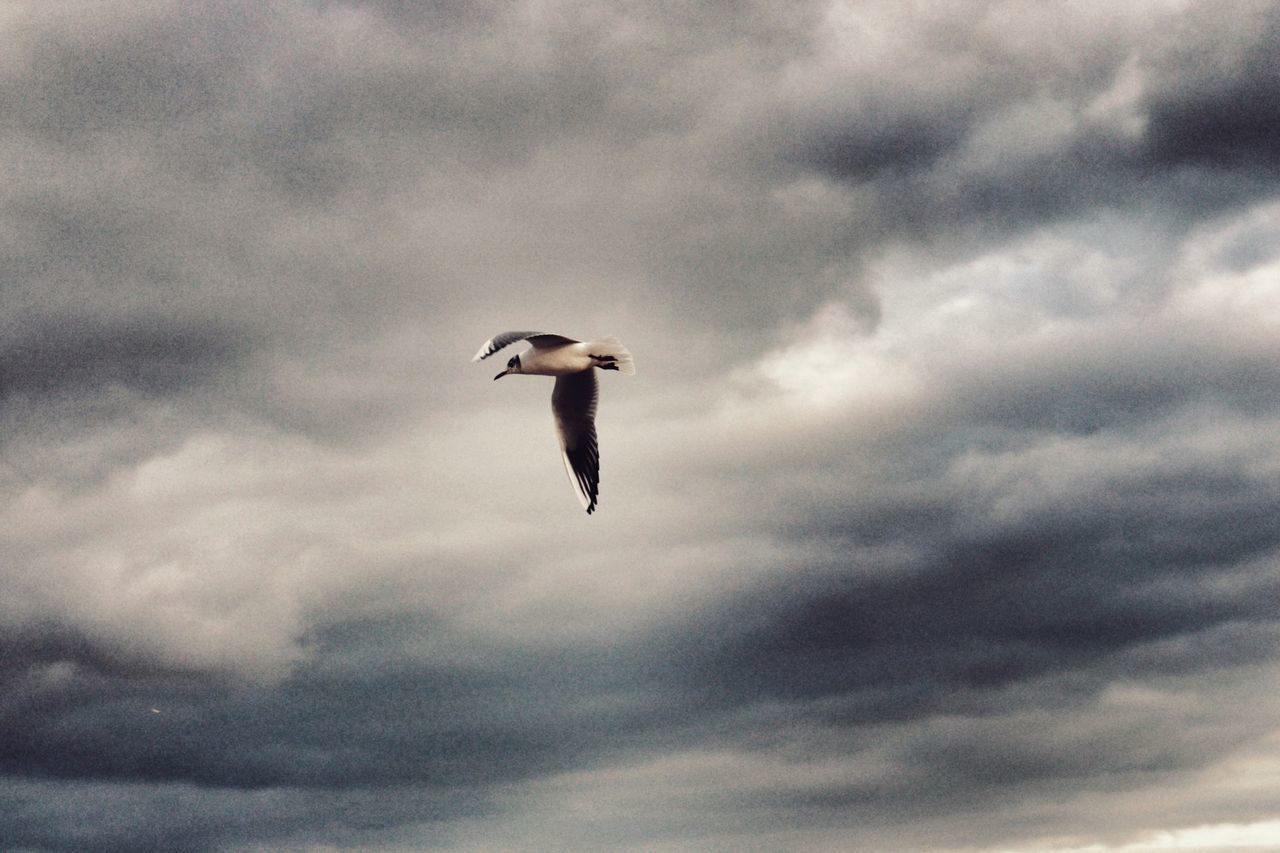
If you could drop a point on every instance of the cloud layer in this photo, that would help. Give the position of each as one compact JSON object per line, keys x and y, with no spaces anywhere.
{"x":939,"y":515}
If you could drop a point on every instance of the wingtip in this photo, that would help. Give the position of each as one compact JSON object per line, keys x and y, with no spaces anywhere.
{"x":587,"y":501}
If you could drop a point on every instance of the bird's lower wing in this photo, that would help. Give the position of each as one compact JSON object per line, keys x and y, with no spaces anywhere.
{"x":573,"y":402}
{"x":506,"y":339}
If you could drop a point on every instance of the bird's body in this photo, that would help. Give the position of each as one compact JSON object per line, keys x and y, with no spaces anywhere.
{"x":556,"y":360}
{"x":573,"y":401}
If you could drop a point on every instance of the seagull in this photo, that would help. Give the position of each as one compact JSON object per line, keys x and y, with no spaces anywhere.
{"x":573,"y":401}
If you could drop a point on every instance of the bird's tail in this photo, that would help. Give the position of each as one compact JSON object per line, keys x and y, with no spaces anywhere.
{"x":610,"y":354}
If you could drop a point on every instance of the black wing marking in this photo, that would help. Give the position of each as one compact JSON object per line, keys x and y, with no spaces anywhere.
{"x":506,"y":339}
{"x":543,"y":341}
{"x":573,"y":402}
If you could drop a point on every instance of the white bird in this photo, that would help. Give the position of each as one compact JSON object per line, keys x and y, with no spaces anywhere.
{"x":573,"y":401}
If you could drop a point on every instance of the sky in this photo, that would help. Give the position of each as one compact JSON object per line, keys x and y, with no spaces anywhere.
{"x":940,"y":515}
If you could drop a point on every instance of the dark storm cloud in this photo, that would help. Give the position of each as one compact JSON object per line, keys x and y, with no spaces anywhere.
{"x":71,"y":712}
{"x":113,"y":817}
{"x":930,"y":594}
{"x":887,"y":141}
{"x":940,"y":151}
{"x":1221,"y":112}
{"x":1000,"y":543}
{"x":1067,"y":592}
{"x":76,"y":392}
{"x":1074,"y":585}
{"x":31,"y":653}
{"x":62,"y":360}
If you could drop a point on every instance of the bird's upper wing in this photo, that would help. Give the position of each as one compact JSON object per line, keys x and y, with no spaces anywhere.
{"x":573,"y":402}
{"x":538,"y":339}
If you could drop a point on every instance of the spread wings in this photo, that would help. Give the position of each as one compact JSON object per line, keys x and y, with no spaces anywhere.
{"x":538,"y":339}
{"x":573,"y":402}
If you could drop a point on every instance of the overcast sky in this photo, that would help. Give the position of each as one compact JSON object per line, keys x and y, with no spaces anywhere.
{"x":941,"y":514}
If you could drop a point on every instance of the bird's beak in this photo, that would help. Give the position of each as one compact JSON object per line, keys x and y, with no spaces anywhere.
{"x":500,"y":375}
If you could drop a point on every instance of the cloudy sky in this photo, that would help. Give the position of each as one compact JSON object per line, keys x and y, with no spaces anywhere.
{"x":941,"y":514}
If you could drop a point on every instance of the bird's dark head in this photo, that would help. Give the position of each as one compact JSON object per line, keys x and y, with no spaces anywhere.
{"x":513,"y":366}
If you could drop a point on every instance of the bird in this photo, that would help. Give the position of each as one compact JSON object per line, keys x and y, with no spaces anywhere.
{"x":573,"y":400}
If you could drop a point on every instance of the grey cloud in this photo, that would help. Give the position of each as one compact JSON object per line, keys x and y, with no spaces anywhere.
{"x":965,"y":763}
{"x":1008,"y":541}
{"x":74,"y":356}
{"x":205,"y":132}
{"x":953,"y":571}
{"x":80,"y":398}
{"x":148,"y":76}
{"x":1203,"y":143}
{"x":1063,"y":590}
{"x":1219,"y":113}
{"x":1097,"y":386}
{"x":43,"y":815}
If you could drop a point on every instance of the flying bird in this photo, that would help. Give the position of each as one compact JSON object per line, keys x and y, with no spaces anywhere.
{"x":573,"y":401}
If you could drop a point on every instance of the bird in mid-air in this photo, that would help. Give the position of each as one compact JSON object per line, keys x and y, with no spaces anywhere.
{"x":573,"y":401}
